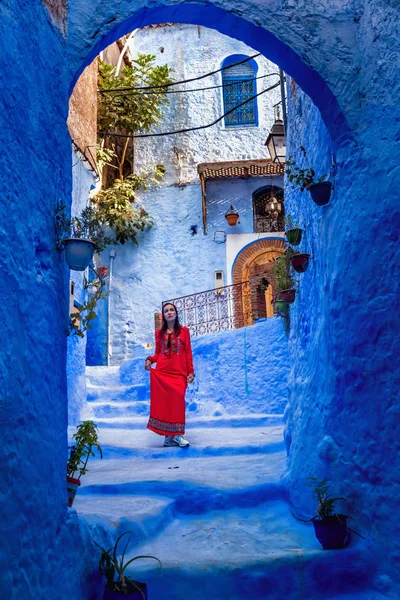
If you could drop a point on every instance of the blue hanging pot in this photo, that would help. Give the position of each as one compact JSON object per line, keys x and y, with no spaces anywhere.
{"x":320,"y":192}
{"x":78,"y":253}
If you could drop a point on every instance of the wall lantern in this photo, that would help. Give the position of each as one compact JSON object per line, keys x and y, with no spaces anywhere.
{"x":273,"y":205}
{"x":232,"y":216}
{"x":276,"y":141}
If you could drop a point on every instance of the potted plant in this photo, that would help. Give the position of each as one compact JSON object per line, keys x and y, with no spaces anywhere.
{"x":85,"y":439}
{"x":292,"y":231}
{"x":331,"y":529}
{"x":306,"y":179}
{"x":80,"y":236}
{"x":232,"y":216}
{"x":87,"y":235}
{"x":118,"y":585}
{"x":299,"y":261}
{"x":285,"y":291}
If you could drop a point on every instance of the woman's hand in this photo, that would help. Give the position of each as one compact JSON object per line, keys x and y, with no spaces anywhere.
{"x":147,"y":364}
{"x":190,"y":378}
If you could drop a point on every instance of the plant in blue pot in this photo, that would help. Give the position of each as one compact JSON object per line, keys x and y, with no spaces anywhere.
{"x":118,"y":585}
{"x":331,"y":529}
{"x":306,"y":179}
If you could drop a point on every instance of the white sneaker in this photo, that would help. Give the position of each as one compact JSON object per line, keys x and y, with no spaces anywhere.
{"x":169,"y":441}
{"x":180,"y":441}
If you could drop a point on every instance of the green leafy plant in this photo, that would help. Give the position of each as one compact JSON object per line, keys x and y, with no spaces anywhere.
{"x":325,"y":503}
{"x":301,"y":177}
{"x":82,"y":317}
{"x":115,"y":206}
{"x":113,"y":568}
{"x":282,"y":273}
{"x":291,"y":223}
{"x":85,"y":440}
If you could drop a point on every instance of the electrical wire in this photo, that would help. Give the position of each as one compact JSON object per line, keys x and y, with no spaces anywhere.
{"x":158,"y":87}
{"x":211,"y":87}
{"x":146,"y":135}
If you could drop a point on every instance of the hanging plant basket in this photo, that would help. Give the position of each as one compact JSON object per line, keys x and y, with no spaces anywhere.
{"x":280,"y":307}
{"x":299,"y":262}
{"x":232,"y":216}
{"x":72,"y":488}
{"x":78,"y":253}
{"x":294,"y":236}
{"x":287,"y":296}
{"x":132,"y":595}
{"x":320,"y":192}
{"x":331,"y":532}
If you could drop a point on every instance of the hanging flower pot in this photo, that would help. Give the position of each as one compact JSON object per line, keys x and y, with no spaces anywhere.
{"x":331,"y":532}
{"x":293,"y":236}
{"x":280,"y":307}
{"x":320,"y":192}
{"x":78,"y":253}
{"x":287,"y":296}
{"x":232,"y":216}
{"x":299,"y":262}
{"x":72,"y":487}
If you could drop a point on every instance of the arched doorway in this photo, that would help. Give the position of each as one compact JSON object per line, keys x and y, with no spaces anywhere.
{"x":253,"y":269}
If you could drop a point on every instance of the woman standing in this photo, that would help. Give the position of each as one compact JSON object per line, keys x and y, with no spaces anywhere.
{"x":168,"y":382}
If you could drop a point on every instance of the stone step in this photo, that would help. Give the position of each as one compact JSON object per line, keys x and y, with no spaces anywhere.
{"x":119,"y":409}
{"x":120,"y":393}
{"x":195,"y":421}
{"x":103,"y":376}
{"x":248,"y":552}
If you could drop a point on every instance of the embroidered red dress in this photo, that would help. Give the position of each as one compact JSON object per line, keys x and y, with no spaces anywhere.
{"x":168,"y":382}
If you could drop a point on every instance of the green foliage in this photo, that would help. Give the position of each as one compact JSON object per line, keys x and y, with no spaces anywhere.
{"x":282,"y":273}
{"x":115,"y":207}
{"x":132,"y":112}
{"x":291,"y":223}
{"x":82,"y":317}
{"x":301,"y":177}
{"x":113,"y":568}
{"x":127,"y":113}
{"x":85,"y":438}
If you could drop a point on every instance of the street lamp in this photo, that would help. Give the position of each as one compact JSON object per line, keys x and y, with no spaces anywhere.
{"x":276,"y":140}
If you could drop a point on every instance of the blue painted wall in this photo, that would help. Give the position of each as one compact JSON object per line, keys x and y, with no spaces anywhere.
{"x":46,"y":551}
{"x":82,"y":181}
{"x":343,"y":397}
{"x":344,"y":351}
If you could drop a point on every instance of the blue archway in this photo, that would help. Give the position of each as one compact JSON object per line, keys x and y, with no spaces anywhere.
{"x":93,"y":34}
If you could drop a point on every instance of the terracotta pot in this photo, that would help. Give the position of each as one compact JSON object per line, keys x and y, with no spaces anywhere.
{"x":293,"y":236}
{"x":299,"y":262}
{"x":331,"y":532}
{"x":232,"y":219}
{"x":78,"y":253}
{"x":232,"y":216}
{"x":320,"y":192}
{"x":287,"y":296}
{"x":72,"y":487}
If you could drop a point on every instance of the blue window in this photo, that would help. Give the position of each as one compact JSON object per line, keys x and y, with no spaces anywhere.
{"x":239,"y":85}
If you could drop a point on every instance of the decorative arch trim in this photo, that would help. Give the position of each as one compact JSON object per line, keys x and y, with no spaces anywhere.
{"x":250,"y":251}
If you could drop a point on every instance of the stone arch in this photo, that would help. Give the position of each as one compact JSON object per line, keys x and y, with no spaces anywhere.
{"x":95,"y":25}
{"x":253,"y":264}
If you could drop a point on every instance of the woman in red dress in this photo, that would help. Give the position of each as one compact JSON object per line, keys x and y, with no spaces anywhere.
{"x":168,"y":381}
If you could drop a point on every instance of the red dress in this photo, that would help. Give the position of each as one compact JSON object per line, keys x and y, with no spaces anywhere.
{"x":168,"y":382}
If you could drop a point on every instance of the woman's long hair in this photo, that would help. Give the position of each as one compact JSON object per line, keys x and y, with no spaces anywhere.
{"x":177,"y":325}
